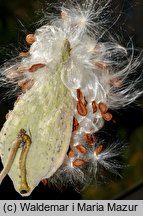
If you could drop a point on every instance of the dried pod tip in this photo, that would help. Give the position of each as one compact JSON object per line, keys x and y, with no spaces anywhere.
{"x":24,"y":188}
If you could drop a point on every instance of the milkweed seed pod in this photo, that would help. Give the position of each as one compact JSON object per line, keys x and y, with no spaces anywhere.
{"x":70,"y":80}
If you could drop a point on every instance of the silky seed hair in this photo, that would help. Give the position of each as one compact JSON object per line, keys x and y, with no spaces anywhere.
{"x":96,"y":74}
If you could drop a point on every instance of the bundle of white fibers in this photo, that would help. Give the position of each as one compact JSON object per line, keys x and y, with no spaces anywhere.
{"x":95,"y":75}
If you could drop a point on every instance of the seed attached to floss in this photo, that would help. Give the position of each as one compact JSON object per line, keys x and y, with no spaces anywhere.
{"x":98,"y":149}
{"x":75,"y":124}
{"x":94,"y":106}
{"x":81,"y":108}
{"x":26,"y":85}
{"x":30,"y":38}
{"x":81,"y":103}
{"x":116,"y":82}
{"x":102,"y":66}
{"x":89,"y":138}
{"x":23,"y":54}
{"x":22,"y":69}
{"x":79,"y":95}
{"x":78,"y":162}
{"x":107,"y":116}
{"x":81,"y":149}
{"x":71,"y":154}
{"x":103,"y":108}
{"x":35,"y":67}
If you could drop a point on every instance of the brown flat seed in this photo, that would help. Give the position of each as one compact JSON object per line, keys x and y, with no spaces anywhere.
{"x":103,"y":108}
{"x":25,"y":85}
{"x":116,"y":82}
{"x":22,"y":54}
{"x":22,"y":70}
{"x":98,"y":149}
{"x":30,"y":38}
{"x":81,"y":108}
{"x":102,"y":66}
{"x":35,"y":67}
{"x":81,"y":149}
{"x":75,"y":124}
{"x":78,"y":162}
{"x":89,"y":138}
{"x":71,"y":154}
{"x":79,"y":94}
{"x":107,"y":116}
{"x":94,"y":107}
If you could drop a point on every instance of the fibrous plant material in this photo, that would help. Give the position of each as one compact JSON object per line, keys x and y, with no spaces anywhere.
{"x":70,"y":81}
{"x":21,"y":138}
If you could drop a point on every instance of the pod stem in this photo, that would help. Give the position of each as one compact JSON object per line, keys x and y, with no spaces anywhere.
{"x":24,"y":188}
{"x":20,"y":139}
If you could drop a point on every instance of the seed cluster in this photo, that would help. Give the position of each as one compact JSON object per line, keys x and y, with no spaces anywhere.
{"x":81,"y":136}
